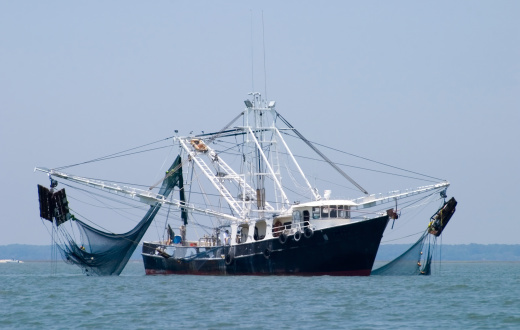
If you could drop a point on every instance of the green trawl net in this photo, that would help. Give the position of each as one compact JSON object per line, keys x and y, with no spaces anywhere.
{"x":414,"y":261}
{"x":105,"y":253}
{"x":417,"y":259}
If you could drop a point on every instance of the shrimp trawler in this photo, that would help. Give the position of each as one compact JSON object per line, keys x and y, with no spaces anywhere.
{"x":244,"y":207}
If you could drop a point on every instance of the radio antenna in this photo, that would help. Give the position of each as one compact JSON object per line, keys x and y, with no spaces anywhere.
{"x":252,"y":61}
{"x":263,"y":44}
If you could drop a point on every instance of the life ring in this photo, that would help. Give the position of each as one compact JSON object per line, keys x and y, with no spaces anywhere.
{"x":308,"y":232}
{"x":267,"y":253}
{"x":297,"y":235}
{"x":282,"y":238}
{"x":230,"y":257}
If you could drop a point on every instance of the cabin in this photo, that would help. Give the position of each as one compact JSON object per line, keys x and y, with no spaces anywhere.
{"x":315,"y":215}
{"x":304,"y":218}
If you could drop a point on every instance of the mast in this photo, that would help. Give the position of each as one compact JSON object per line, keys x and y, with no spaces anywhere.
{"x":257,"y":135}
{"x":259,"y":146}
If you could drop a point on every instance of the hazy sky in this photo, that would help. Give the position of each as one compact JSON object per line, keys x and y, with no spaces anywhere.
{"x":433,"y":87}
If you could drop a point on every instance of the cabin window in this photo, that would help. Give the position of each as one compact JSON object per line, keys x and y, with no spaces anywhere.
{"x":242,"y":237}
{"x":306,"y":217}
{"x":333,"y":211}
{"x":296,"y":217}
{"x":315,"y":212}
{"x":325,"y":212}
{"x":343,"y":212}
{"x":260,"y":230}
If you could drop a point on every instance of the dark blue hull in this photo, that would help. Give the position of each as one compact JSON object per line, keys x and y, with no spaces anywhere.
{"x":346,"y":250}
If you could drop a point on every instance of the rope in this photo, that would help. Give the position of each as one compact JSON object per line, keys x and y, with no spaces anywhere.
{"x":440,"y":256}
{"x":402,"y":237}
{"x":117,"y":154}
{"x":169,"y":173}
{"x":311,"y":145}
{"x":364,"y":158}
{"x":367,"y":169}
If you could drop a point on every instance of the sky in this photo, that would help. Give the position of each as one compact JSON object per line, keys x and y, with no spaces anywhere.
{"x":430,"y":86}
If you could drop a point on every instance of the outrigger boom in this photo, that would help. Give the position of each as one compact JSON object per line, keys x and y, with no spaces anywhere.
{"x":148,"y":197}
{"x":145,"y":196}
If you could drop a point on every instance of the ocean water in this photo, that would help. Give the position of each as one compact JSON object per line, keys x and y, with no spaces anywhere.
{"x":44,"y":295}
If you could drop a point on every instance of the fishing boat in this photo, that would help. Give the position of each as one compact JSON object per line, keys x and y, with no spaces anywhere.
{"x":245,"y":207}
{"x":10,"y":261}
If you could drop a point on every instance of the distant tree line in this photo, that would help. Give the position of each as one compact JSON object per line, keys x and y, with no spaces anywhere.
{"x":458,"y":252}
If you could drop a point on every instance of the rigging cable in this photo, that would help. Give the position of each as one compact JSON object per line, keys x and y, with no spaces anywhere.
{"x":396,"y":239}
{"x":117,"y":154}
{"x":340,"y":164}
{"x":367,"y":159}
{"x":219,"y":133}
{"x":309,"y":143}
{"x":367,"y":169}
{"x":440,"y":256}
{"x":92,"y":195}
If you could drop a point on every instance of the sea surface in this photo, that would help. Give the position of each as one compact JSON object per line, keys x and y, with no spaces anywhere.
{"x":47,"y":295}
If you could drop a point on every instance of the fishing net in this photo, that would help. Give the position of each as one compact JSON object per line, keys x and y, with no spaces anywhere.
{"x":414,"y":261}
{"x":417,"y":259}
{"x":104,"y":253}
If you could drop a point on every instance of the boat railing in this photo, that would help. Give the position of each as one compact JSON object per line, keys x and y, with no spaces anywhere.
{"x":290,"y":228}
{"x":207,"y":240}
{"x":361,"y":215}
